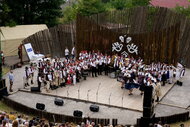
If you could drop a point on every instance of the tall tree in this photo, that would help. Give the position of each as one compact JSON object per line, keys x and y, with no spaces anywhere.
{"x":121,"y":4}
{"x":89,"y":7}
{"x":140,"y":2}
{"x":6,"y":19}
{"x":35,"y":11}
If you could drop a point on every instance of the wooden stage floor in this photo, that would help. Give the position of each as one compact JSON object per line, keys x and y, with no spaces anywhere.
{"x":109,"y":93}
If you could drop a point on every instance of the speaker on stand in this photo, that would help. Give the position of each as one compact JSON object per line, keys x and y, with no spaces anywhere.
{"x":148,"y":107}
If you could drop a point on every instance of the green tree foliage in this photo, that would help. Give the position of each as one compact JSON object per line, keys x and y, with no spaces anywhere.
{"x":4,"y":14}
{"x":32,"y":11}
{"x":183,"y":11}
{"x":70,"y":13}
{"x":140,"y":2}
{"x":121,"y":4}
{"x":89,"y":7}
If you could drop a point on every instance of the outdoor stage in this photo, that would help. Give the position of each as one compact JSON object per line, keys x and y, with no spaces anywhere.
{"x":101,"y":89}
{"x":78,"y":97}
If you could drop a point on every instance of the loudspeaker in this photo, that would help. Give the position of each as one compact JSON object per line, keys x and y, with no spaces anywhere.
{"x":77,"y":113}
{"x":58,"y":102}
{"x":148,"y":106}
{"x":35,"y":89}
{"x":40,"y":106}
{"x":3,"y":92}
{"x":147,"y":102}
{"x":148,"y":111}
{"x":2,"y":83}
{"x":94,"y":108}
{"x":179,"y":83}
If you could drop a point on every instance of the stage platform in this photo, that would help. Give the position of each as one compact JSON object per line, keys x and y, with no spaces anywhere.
{"x":109,"y":96}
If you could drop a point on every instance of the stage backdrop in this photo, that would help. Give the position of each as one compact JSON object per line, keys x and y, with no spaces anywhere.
{"x":152,"y":46}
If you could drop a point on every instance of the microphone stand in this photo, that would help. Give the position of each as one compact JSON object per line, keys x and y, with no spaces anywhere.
{"x":122,"y":98}
{"x":79,"y":92}
{"x":110,"y":98}
{"x":97,"y":92}
{"x":88,"y":95}
{"x":68,"y":92}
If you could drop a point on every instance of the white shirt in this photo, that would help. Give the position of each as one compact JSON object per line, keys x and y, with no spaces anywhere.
{"x":73,"y":51}
{"x":66,"y":51}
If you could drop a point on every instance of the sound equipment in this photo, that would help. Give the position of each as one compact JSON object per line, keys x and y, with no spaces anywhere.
{"x":58,"y":101}
{"x":148,"y":102}
{"x":2,"y":83}
{"x":40,"y":106}
{"x":94,"y":108}
{"x":179,"y":83}
{"x":3,"y":92}
{"x":77,"y":113}
{"x":35,"y":89}
{"x":62,"y":84}
{"x":148,"y":111}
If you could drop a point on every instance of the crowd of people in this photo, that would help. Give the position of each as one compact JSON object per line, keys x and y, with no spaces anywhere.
{"x":133,"y":73}
{"x":13,"y":119}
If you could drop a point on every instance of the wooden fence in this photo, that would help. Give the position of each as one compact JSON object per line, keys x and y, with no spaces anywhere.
{"x":54,"y":40}
{"x":158,"y":46}
{"x":134,"y":21}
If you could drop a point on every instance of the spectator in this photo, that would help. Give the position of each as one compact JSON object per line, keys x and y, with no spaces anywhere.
{"x":15,"y":123}
{"x":4,"y":123}
{"x":11,"y":80}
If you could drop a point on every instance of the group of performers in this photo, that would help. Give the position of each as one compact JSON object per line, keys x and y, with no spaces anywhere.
{"x":133,"y":73}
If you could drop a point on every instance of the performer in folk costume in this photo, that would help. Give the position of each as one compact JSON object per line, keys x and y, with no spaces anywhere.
{"x":69,"y":80}
{"x":62,"y":76}
{"x":56,"y":78}
{"x":31,"y":71}
{"x":39,"y":80}
{"x":26,"y":77}
{"x":158,"y":90}
{"x":50,"y":80}
{"x":74,"y":78}
{"x":164,"y":77}
{"x":94,"y":69}
{"x":171,"y":73}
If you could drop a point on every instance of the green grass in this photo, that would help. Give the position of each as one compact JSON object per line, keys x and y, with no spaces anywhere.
{"x":5,"y":70}
{"x":7,"y":109}
{"x":187,"y":124}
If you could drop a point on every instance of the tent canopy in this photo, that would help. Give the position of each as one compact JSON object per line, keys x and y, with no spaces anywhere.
{"x":13,"y":37}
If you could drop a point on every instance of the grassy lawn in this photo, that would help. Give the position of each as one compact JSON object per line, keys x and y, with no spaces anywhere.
{"x":7,"y":109}
{"x":187,"y":124}
{"x":5,"y":70}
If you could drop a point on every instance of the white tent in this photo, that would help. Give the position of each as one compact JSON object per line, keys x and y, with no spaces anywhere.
{"x":13,"y":37}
